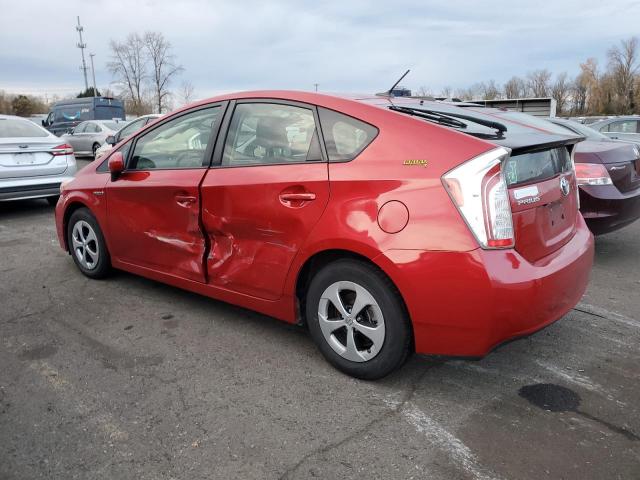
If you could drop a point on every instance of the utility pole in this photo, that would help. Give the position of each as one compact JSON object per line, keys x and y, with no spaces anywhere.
{"x":316,"y":85}
{"x":81,"y":45}
{"x":93,"y":74}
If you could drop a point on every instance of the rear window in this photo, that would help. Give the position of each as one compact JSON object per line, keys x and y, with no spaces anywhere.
{"x":14,"y":128}
{"x":344,"y":136}
{"x":115,"y":126}
{"x":536,"y":166}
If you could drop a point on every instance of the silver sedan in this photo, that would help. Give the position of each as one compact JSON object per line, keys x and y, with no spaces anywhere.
{"x":88,"y":136}
{"x":33,"y":161}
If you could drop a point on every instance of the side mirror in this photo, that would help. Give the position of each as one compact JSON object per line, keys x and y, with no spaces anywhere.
{"x":116,"y":165}
{"x":111,"y":140}
{"x":44,"y":124}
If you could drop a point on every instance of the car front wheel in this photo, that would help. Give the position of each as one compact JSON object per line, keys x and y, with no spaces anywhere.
{"x":87,"y":245}
{"x":357,"y":319}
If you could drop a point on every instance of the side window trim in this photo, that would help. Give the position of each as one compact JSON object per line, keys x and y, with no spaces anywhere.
{"x":206,"y":160}
{"x":226,"y":124}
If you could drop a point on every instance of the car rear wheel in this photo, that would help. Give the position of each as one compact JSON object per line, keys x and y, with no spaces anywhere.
{"x":357,"y":319}
{"x":87,"y":245}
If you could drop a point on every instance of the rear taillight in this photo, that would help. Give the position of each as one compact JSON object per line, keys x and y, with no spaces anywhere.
{"x":64,"y":149}
{"x":479,"y":191}
{"x":592,"y":174}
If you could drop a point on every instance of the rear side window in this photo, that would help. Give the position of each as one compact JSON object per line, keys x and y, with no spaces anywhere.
{"x":536,"y":166}
{"x":270,"y":133}
{"x":344,"y":136}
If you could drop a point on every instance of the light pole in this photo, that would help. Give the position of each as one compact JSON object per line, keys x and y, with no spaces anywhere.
{"x":93,"y":74}
{"x":82,"y":46}
{"x":316,"y":85}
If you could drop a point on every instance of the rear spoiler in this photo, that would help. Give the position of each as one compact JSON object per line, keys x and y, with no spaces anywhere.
{"x":536,"y":142}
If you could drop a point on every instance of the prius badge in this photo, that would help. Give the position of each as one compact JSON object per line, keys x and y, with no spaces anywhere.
{"x":565,"y":187}
{"x":416,"y":162}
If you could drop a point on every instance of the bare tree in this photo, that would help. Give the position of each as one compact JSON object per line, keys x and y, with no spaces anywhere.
{"x":515,"y":87}
{"x":490,"y":90}
{"x":163,"y":67}
{"x":446,"y":92}
{"x":579,"y":90}
{"x":129,"y":65}
{"x":424,"y":91}
{"x":623,"y":68}
{"x":538,"y":83}
{"x":560,"y":91}
{"x":186,"y":93}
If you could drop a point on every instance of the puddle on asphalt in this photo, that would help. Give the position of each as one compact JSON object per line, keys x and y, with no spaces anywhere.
{"x":555,"y":398}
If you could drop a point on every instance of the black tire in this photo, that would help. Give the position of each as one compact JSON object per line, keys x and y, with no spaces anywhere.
{"x":102,"y":267}
{"x":396,"y":346}
{"x":94,"y":149}
{"x":53,"y":200}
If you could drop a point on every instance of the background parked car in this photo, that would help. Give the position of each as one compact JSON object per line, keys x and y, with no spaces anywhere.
{"x":33,"y":161}
{"x":124,"y":132}
{"x":620,"y":128}
{"x":608,"y":173}
{"x":67,"y":114}
{"x":87,"y":137}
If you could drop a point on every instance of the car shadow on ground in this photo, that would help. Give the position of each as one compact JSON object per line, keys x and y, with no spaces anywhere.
{"x":24,"y":208}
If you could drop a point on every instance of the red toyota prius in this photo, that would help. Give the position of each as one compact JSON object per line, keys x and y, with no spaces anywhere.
{"x":383,"y":225}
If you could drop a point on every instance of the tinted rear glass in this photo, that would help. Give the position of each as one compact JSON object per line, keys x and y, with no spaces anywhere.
{"x":12,"y":128}
{"x":107,"y":113}
{"x":536,"y":166}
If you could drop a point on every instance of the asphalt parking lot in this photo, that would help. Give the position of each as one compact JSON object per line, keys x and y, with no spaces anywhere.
{"x":130,"y":379}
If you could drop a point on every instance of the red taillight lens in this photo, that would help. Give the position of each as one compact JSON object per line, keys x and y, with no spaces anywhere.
{"x":64,"y":149}
{"x":592,"y":174}
{"x":479,"y":191}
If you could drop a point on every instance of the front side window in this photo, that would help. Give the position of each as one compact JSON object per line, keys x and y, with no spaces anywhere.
{"x":132,"y":127}
{"x":179,"y":143}
{"x":344,"y":136}
{"x":124,"y":149}
{"x":92,"y":128}
{"x":269,"y":133}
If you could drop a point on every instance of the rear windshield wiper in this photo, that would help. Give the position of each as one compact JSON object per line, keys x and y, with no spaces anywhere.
{"x":499,"y":127}
{"x":430,"y":115}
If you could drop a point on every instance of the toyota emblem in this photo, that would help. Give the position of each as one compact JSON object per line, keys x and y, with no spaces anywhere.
{"x":565,"y":187}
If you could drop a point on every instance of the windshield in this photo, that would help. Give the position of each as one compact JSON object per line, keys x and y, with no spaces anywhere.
{"x":588,"y":132}
{"x":14,"y":128}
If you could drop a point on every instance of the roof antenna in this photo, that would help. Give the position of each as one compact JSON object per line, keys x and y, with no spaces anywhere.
{"x":396,"y":84}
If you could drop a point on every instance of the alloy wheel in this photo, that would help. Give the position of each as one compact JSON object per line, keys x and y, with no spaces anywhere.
{"x":85,"y":244}
{"x":351,"y":321}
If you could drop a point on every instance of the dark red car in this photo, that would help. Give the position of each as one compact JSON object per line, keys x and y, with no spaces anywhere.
{"x":608,"y":174}
{"x":385,"y":227}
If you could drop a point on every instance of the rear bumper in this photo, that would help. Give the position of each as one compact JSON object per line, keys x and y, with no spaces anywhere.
{"x":467,"y":303}
{"x":32,"y":187}
{"x":606,"y":209}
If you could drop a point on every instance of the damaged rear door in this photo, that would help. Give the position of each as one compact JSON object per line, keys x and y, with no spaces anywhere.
{"x":154,"y":205}
{"x":267,"y":188}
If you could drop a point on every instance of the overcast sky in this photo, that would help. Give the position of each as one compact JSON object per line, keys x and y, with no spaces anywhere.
{"x":344,"y":45}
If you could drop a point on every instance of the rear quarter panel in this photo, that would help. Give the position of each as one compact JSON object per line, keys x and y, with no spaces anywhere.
{"x":359,"y":189}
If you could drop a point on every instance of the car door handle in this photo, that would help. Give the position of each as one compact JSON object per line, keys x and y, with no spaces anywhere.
{"x":298,"y":197}
{"x":185,"y":200}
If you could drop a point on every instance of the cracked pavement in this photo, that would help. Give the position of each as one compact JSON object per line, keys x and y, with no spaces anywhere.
{"x":131,"y":379}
